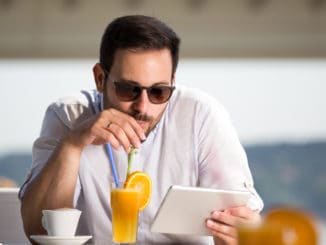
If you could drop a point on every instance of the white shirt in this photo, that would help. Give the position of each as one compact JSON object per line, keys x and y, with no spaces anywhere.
{"x":194,"y":144}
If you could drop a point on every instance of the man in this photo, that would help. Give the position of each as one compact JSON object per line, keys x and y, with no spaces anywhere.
{"x":183,"y":137}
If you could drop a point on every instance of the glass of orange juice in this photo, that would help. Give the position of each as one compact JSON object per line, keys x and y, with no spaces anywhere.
{"x":125,"y":209}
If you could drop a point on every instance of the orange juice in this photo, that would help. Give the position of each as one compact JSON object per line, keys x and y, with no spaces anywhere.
{"x":125,"y":208}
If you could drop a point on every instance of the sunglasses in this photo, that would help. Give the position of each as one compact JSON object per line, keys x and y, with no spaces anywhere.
{"x":126,"y":91}
{"x":157,"y":94}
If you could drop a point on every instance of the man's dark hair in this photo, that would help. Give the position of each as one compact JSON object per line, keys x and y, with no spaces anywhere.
{"x":138,"y":32}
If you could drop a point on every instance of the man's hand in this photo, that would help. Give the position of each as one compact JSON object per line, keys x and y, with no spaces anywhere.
{"x":222,"y":224}
{"x":110,"y":125}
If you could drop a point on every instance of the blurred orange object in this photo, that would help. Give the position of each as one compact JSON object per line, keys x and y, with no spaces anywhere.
{"x":263,"y":234}
{"x":297,"y":226}
{"x":281,"y":226}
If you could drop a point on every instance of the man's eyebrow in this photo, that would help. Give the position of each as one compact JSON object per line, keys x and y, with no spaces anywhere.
{"x":126,"y":80}
{"x":163,"y":82}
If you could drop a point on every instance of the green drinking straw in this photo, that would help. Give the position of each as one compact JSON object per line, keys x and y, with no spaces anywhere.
{"x":130,"y":158}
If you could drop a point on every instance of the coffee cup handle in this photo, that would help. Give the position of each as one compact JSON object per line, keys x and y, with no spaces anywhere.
{"x":43,"y":223}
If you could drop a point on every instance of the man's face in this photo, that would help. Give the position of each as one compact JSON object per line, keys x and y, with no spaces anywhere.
{"x":144,"y":68}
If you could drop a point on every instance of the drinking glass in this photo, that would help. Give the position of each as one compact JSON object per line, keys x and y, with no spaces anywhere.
{"x":125,"y":209}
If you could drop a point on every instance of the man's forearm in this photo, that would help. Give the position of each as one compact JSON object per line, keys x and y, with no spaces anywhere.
{"x":53,"y":188}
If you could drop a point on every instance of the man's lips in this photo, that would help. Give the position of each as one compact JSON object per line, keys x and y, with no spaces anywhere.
{"x":143,"y":124}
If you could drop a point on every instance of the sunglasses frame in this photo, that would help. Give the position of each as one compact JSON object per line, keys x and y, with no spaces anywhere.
{"x":141,"y":88}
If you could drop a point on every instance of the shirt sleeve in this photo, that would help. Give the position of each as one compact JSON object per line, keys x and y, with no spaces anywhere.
{"x":222,"y":160}
{"x":53,"y":129}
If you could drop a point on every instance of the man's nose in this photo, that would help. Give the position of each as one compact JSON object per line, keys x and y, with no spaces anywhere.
{"x":142,"y":102}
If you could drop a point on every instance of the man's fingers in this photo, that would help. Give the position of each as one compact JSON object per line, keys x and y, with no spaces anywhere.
{"x":124,"y":121}
{"x":225,"y":218}
{"x":245,"y":214}
{"x":133,"y":138}
{"x":223,"y":234}
{"x":220,"y":228}
{"x":220,"y":238}
{"x":120,"y":135}
{"x":111,"y":125}
{"x":115,"y":121}
{"x":236,"y":215}
{"x":241,"y":211}
{"x":107,"y":136}
{"x":137,"y":128}
{"x":222,"y":224}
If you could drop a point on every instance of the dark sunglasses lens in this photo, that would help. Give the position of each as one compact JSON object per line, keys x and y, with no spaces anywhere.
{"x":126,"y":92}
{"x":158,"y":95}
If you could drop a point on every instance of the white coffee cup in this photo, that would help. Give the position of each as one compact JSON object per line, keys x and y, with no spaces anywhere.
{"x":61,"y":222}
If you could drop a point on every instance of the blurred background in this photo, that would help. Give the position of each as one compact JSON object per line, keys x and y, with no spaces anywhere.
{"x":265,"y":60}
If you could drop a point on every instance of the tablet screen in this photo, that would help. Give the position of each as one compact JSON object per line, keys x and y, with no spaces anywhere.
{"x":185,"y":209}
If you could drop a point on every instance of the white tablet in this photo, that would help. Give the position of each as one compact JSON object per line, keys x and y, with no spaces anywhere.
{"x":185,"y":209}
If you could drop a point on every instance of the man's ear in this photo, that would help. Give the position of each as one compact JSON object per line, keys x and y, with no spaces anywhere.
{"x":99,"y":77}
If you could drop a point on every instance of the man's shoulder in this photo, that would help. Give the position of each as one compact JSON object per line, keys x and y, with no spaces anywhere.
{"x":76,"y":107}
{"x":196,"y":98}
{"x":82,"y":98}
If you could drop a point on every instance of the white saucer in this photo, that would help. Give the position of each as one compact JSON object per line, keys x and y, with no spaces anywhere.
{"x":56,"y":240}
